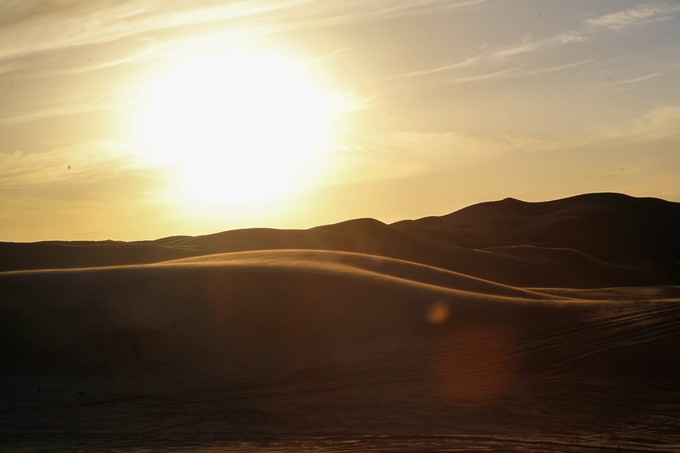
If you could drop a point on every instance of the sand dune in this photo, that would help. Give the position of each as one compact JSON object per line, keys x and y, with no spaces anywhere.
{"x":591,"y":240}
{"x":608,"y":226}
{"x":265,"y":299}
{"x":263,"y":343}
{"x":62,"y":254}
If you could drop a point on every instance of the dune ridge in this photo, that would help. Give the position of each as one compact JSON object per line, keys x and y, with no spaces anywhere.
{"x":591,"y":240}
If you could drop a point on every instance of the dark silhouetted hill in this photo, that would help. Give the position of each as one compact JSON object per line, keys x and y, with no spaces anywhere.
{"x":592,"y":240}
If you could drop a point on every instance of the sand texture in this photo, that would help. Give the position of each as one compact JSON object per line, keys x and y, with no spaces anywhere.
{"x":506,"y":326}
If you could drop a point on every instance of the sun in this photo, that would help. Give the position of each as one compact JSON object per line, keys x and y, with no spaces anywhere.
{"x":239,"y":128}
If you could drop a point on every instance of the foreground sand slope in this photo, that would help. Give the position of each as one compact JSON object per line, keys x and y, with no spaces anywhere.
{"x":328,"y":342}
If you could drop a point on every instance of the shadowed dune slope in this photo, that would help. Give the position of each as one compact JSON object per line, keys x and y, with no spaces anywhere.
{"x":73,"y":254}
{"x":609,"y":226}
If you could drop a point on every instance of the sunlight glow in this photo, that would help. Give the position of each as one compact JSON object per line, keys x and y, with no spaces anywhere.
{"x":239,"y":128}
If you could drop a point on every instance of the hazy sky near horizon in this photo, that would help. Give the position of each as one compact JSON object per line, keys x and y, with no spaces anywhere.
{"x":432,"y":105}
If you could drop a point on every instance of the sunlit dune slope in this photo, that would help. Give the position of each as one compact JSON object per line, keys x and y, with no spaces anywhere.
{"x":356,"y":265}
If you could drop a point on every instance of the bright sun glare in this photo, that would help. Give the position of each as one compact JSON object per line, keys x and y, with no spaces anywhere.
{"x":240,"y":128}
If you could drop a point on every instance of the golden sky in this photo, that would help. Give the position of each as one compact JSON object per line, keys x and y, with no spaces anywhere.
{"x":137,"y":119}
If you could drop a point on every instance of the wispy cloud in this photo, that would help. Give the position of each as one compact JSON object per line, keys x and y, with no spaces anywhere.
{"x":636,"y":16}
{"x":660,"y":123}
{"x":134,"y":32}
{"x":34,"y":26}
{"x":411,"y":153}
{"x":503,"y":73}
{"x":529,"y":45}
{"x":610,"y":22}
{"x":625,"y":83}
{"x":514,"y":72}
{"x":616,"y":21}
{"x":557,"y":68}
{"x":404,"y":154}
{"x":439,"y":69}
{"x":55,"y":108}
{"x":147,"y":49}
{"x":84,"y":161}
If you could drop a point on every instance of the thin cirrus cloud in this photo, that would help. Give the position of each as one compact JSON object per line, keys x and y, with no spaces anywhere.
{"x":499,"y":56}
{"x":639,"y":15}
{"x":518,"y":72}
{"x":461,"y":64}
{"x":659,"y":124}
{"x":84,"y":161}
{"x":617,"y":21}
{"x":30,"y":26}
{"x":34,"y":33}
{"x":625,"y":84}
{"x":60,"y":108}
{"x":529,"y":45}
{"x":506,"y":73}
{"x":137,"y":55}
{"x":427,"y":152}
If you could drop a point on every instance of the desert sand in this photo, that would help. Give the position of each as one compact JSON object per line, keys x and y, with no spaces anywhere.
{"x":507,"y":325}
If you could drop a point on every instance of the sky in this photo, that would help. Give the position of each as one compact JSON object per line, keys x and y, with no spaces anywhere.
{"x":388,"y":109}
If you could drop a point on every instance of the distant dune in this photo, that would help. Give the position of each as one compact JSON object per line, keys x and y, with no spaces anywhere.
{"x":591,"y":240}
{"x":503,"y":326}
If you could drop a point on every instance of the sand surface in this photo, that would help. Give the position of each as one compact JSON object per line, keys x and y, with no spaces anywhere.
{"x":397,"y":337}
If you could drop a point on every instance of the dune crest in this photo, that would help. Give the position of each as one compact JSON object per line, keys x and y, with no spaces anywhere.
{"x":591,"y":240}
